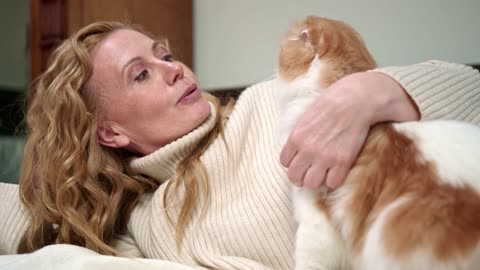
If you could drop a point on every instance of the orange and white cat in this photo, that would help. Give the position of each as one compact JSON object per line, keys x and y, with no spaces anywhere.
{"x":412,"y":198}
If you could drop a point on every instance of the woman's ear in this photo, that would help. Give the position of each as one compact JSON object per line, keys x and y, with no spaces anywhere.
{"x":108,"y":136}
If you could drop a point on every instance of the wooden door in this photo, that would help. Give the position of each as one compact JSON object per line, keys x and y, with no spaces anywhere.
{"x":54,"y":20}
{"x":47,"y":30}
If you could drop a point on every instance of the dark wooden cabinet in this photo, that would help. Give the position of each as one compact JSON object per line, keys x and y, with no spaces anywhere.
{"x":54,"y":20}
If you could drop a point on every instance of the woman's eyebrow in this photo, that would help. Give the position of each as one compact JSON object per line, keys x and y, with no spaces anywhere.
{"x":134,"y":59}
{"x":155,"y":45}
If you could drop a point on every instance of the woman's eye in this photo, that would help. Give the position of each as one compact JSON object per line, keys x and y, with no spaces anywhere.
{"x":142,"y":76}
{"x":168,"y":58}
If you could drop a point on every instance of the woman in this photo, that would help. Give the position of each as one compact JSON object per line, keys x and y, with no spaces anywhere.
{"x":125,"y":155}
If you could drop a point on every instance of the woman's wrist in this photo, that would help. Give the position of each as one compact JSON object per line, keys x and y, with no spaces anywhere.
{"x":392,"y":101}
{"x":380,"y":98}
{"x":372,"y":97}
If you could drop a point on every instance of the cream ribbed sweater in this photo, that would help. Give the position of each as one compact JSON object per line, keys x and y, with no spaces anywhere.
{"x":249,"y":221}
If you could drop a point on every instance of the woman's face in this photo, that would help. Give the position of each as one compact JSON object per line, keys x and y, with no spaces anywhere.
{"x":146,"y":98}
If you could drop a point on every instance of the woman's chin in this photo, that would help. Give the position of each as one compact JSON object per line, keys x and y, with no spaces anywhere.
{"x":203,"y":109}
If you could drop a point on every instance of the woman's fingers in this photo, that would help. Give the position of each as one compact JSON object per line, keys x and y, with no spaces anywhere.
{"x":329,"y":135}
{"x":287,"y":154}
{"x":336,"y":176}
{"x":314,"y":177}
{"x":297,"y":170}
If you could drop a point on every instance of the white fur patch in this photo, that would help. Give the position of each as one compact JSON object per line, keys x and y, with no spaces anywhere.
{"x":295,"y":96}
{"x":341,"y":198}
{"x":454,"y":147}
{"x":319,"y":245}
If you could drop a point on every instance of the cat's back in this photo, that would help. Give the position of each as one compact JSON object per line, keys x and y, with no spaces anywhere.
{"x":452,"y":146}
{"x":413,"y":197}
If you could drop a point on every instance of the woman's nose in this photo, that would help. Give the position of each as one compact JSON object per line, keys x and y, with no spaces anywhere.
{"x":174,"y":72}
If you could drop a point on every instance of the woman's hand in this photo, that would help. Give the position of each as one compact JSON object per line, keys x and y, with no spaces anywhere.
{"x":330,"y":134}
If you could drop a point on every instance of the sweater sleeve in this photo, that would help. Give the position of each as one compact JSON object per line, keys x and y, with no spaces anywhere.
{"x":13,"y":218}
{"x":441,"y":90}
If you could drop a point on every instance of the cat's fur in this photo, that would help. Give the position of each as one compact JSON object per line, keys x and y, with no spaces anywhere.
{"x":411,"y":200}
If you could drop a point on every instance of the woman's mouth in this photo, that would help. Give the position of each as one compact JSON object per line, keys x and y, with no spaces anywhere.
{"x":190,"y":94}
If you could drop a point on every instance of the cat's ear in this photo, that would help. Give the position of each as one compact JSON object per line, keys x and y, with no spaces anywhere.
{"x":303,"y":35}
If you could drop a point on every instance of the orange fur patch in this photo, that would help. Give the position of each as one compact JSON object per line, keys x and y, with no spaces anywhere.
{"x":438,"y":218}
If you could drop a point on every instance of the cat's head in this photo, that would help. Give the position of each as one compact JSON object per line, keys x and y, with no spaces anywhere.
{"x":333,"y":42}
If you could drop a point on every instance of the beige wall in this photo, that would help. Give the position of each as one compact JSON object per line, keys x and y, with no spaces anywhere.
{"x":236,"y":42}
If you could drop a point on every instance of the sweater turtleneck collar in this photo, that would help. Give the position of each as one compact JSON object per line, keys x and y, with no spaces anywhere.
{"x":162,"y":163}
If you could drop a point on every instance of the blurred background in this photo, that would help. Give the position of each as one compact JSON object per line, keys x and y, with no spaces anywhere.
{"x":230,"y":44}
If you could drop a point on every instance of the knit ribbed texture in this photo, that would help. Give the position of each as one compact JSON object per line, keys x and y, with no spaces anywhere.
{"x":249,"y":221}
{"x":13,"y":219}
{"x":441,"y":90}
{"x":170,"y":154}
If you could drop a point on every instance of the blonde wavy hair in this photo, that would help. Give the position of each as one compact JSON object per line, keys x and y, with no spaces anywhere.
{"x":77,"y":191}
